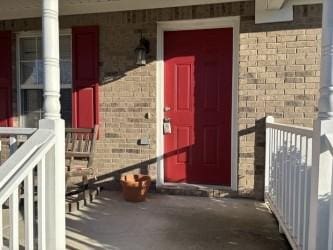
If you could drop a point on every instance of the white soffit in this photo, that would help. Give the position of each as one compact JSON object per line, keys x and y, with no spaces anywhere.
{"x":17,"y":9}
{"x":270,"y":11}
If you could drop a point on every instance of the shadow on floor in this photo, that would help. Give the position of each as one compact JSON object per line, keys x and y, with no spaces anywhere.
{"x":173,"y":222}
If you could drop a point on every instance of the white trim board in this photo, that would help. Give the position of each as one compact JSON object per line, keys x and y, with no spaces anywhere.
{"x":285,"y":12}
{"x":17,"y":9}
{"x":210,"y":23}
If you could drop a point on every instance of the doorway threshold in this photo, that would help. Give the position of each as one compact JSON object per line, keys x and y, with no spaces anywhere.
{"x":188,"y":189}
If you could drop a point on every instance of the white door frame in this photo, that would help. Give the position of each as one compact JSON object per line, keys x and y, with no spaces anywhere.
{"x":210,"y":23}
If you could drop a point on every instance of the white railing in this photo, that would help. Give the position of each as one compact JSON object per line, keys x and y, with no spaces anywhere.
{"x":288,"y":179}
{"x":13,"y":137}
{"x":28,"y":161}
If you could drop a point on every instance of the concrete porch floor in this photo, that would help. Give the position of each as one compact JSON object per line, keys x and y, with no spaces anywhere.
{"x":172,"y":223}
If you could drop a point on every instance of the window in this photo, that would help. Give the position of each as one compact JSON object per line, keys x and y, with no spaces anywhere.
{"x":30,"y":79}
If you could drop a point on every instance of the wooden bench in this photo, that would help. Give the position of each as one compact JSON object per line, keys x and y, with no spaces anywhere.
{"x":79,"y":153}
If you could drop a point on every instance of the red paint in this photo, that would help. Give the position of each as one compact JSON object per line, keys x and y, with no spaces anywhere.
{"x":198,"y":90}
{"x":6,"y":119}
{"x":85,"y":77}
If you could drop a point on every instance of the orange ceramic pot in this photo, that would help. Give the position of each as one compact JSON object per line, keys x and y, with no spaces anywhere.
{"x":135,"y":187}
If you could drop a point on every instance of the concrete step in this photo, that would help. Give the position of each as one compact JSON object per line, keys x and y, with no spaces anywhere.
{"x":197,"y":190}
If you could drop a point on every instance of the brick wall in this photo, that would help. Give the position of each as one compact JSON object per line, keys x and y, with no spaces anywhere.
{"x":278,"y":75}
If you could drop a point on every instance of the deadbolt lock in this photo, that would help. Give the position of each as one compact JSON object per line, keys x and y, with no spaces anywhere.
{"x":167,"y":125}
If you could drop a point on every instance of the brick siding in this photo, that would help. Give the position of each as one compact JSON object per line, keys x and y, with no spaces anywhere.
{"x":278,"y":75}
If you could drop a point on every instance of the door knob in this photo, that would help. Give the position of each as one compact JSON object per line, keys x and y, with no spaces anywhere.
{"x":166,"y":109}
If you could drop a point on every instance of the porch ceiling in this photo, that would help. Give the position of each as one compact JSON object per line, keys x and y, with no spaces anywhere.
{"x":17,"y":9}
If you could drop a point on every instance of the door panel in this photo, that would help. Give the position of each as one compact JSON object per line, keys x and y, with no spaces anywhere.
{"x":198,"y":88}
{"x":180,"y":103}
{"x":5,"y":80}
{"x":183,"y":83}
{"x":210,"y":146}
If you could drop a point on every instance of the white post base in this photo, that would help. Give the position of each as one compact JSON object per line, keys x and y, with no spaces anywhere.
{"x":321,"y":186}
{"x":55,"y":187}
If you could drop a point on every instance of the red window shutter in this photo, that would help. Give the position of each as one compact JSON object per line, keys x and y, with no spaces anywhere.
{"x":6,"y":119}
{"x":85,"y":111}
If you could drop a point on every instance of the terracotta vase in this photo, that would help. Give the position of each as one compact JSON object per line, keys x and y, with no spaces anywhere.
{"x":135,"y":187}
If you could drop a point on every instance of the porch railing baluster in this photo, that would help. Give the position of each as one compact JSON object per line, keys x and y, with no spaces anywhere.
{"x":14,"y":220}
{"x":1,"y":228}
{"x":12,"y":144}
{"x":288,"y":155}
{"x":283,"y":170}
{"x":307,"y":183}
{"x":288,"y":177}
{"x":41,"y":205}
{"x":29,"y":211}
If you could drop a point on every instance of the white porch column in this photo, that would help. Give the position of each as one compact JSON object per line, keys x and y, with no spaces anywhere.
{"x":321,"y":181}
{"x":55,"y":161}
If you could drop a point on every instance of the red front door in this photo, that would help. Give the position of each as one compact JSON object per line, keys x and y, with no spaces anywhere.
{"x":198,"y":96}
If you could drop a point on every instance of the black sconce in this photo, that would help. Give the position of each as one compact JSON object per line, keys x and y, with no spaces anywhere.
{"x":141,"y":51}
